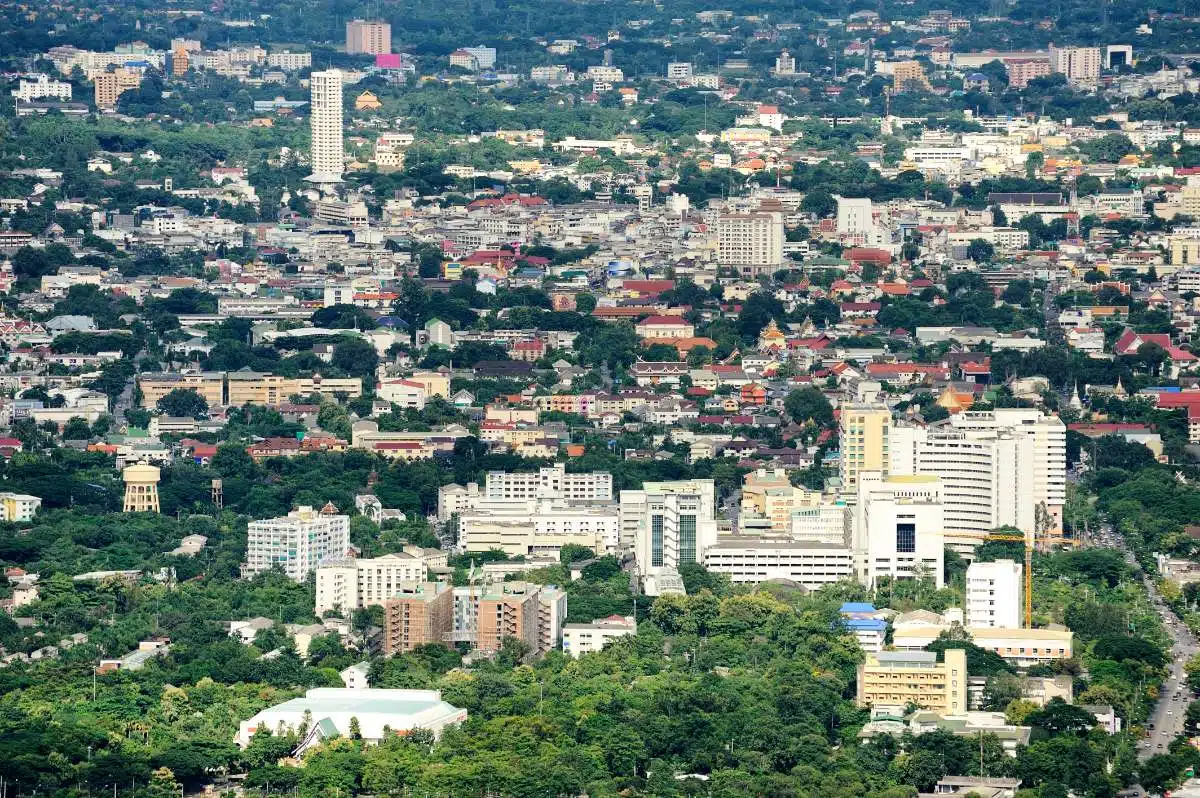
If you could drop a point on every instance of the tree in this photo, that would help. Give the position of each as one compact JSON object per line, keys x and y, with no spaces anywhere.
{"x":356,"y":357}
{"x":1059,"y":717}
{"x":819,"y":203}
{"x":573,"y":552}
{"x":809,"y":404}
{"x":585,"y":303}
{"x":183,"y":402}
{"x":76,"y":429}
{"x":980,"y":250}
{"x":344,"y":317}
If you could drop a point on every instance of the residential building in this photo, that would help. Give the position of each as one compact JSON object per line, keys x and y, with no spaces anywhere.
{"x":668,"y":524}
{"x":508,"y":609}
{"x":289,"y":61}
{"x":417,"y":614}
{"x":993,"y":595}
{"x":749,"y":559}
{"x":752,"y":243}
{"x":866,"y":623}
{"x":550,"y":482}
{"x":898,"y":532}
{"x":109,"y":86}
{"x":900,"y":678}
{"x":18,"y":507}
{"x":41,"y":87}
{"x":587,"y":638}
{"x":327,"y":152}
{"x":909,"y":76}
{"x":864,"y":431}
{"x":298,"y":542}
{"x":537,"y":527}
{"x":1022,"y":647}
{"x":347,"y":585}
{"x":855,"y":215}
{"x":330,"y":711}
{"x":1078,"y":64}
{"x":368,"y":37}
{"x":1023,"y":70}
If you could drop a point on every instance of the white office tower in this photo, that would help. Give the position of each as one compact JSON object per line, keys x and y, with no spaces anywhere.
{"x":297,"y":542}
{"x":998,"y":468}
{"x":327,"y":153}
{"x":898,"y":528}
{"x":855,"y":216}
{"x":669,"y":524}
{"x":994,"y":594}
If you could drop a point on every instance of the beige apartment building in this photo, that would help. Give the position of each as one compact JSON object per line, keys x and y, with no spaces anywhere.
{"x":363,"y":36}
{"x":238,"y":388}
{"x":111,"y":85}
{"x":209,"y":384}
{"x":900,"y":678}
{"x":419,"y":613}
{"x":864,"y":436}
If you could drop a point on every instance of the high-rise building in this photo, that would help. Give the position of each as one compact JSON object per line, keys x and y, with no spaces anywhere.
{"x":993,"y":595}
{"x":109,"y":86}
{"x":1078,"y":64}
{"x":900,"y":678}
{"x":898,"y":528}
{"x":373,"y":38}
{"x":510,"y":609}
{"x":855,"y":215}
{"x":417,"y":613}
{"x":298,"y":542}
{"x":141,"y":488}
{"x":752,"y":243}
{"x":352,"y":584}
{"x":327,"y":153}
{"x":669,"y":524}
{"x":179,"y":61}
{"x":864,"y":430}
{"x":909,"y":76}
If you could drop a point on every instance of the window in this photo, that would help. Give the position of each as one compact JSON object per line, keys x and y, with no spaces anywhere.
{"x":687,"y":539}
{"x":656,"y":541}
{"x":906,"y":538}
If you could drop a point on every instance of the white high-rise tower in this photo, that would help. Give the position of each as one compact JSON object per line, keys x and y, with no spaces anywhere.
{"x":325,"y":114}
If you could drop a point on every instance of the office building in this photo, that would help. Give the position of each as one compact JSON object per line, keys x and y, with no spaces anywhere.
{"x":855,"y":215}
{"x":537,"y":527}
{"x":346,"y":585}
{"x":329,"y":712}
{"x":417,"y":614}
{"x":751,"y":243}
{"x":898,"y":528}
{"x":141,"y":488}
{"x":368,"y":37}
{"x":668,"y":524}
{"x":900,"y":678}
{"x":993,"y":597}
{"x":1079,"y":64}
{"x":864,"y":431}
{"x":16,"y":507}
{"x":327,"y":153}
{"x":586,"y":638}
{"x":1023,"y":647}
{"x":298,"y":542}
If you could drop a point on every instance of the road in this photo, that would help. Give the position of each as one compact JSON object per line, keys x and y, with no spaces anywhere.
{"x":1166,"y":720}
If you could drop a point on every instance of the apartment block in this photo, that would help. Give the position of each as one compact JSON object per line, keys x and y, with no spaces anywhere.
{"x":552,"y":482}
{"x":510,"y":609}
{"x":356,"y":583}
{"x":900,"y":678}
{"x":752,"y":243}
{"x":298,"y":542}
{"x":537,"y":527}
{"x":417,"y":614}
{"x":109,"y":86}
{"x":209,"y":384}
{"x":369,"y":37}
{"x":586,"y":638}
{"x":864,"y":431}
{"x":1079,"y":64}
{"x":18,"y":506}
{"x":993,"y":596}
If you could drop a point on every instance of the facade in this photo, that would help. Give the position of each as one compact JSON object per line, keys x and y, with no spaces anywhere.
{"x":668,"y":524}
{"x":16,"y":507}
{"x":141,"y":488}
{"x":1023,"y":70}
{"x":417,"y":614}
{"x":327,"y":154}
{"x":752,"y":243}
{"x":510,"y":609}
{"x":586,"y":638}
{"x":855,"y":215}
{"x":298,"y":542}
{"x":353,"y":584}
{"x":898,"y":678}
{"x":1079,"y":64}
{"x":993,"y":597}
{"x":864,"y":432}
{"x":551,"y":482}
{"x":537,"y":527}
{"x":366,"y":37}
{"x":109,"y":86}
{"x":42,"y":87}
{"x":749,"y":560}
{"x":898,"y":530}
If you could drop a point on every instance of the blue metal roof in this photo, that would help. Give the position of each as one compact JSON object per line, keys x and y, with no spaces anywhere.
{"x":858,"y":606}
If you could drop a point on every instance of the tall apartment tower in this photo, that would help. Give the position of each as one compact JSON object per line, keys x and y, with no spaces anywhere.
{"x":752,"y":243}
{"x":327,"y":151}
{"x":371,"y":38}
{"x":297,"y":542}
{"x":141,"y":488}
{"x":993,"y":595}
{"x":864,"y":431}
{"x":1079,"y":64}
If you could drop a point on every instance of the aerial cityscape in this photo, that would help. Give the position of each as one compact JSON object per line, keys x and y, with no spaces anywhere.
{"x":512,"y":399}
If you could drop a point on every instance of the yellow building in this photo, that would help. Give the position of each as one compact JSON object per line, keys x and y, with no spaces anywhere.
{"x":272,"y":389}
{"x":452,"y":270}
{"x":767,"y":493}
{"x":209,"y":384}
{"x":900,"y":678}
{"x":864,"y":431}
{"x":1185,"y":251}
{"x":434,"y":384}
{"x":111,"y":85}
{"x":367,"y":101}
{"x":909,"y":76}
{"x":141,"y":488}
